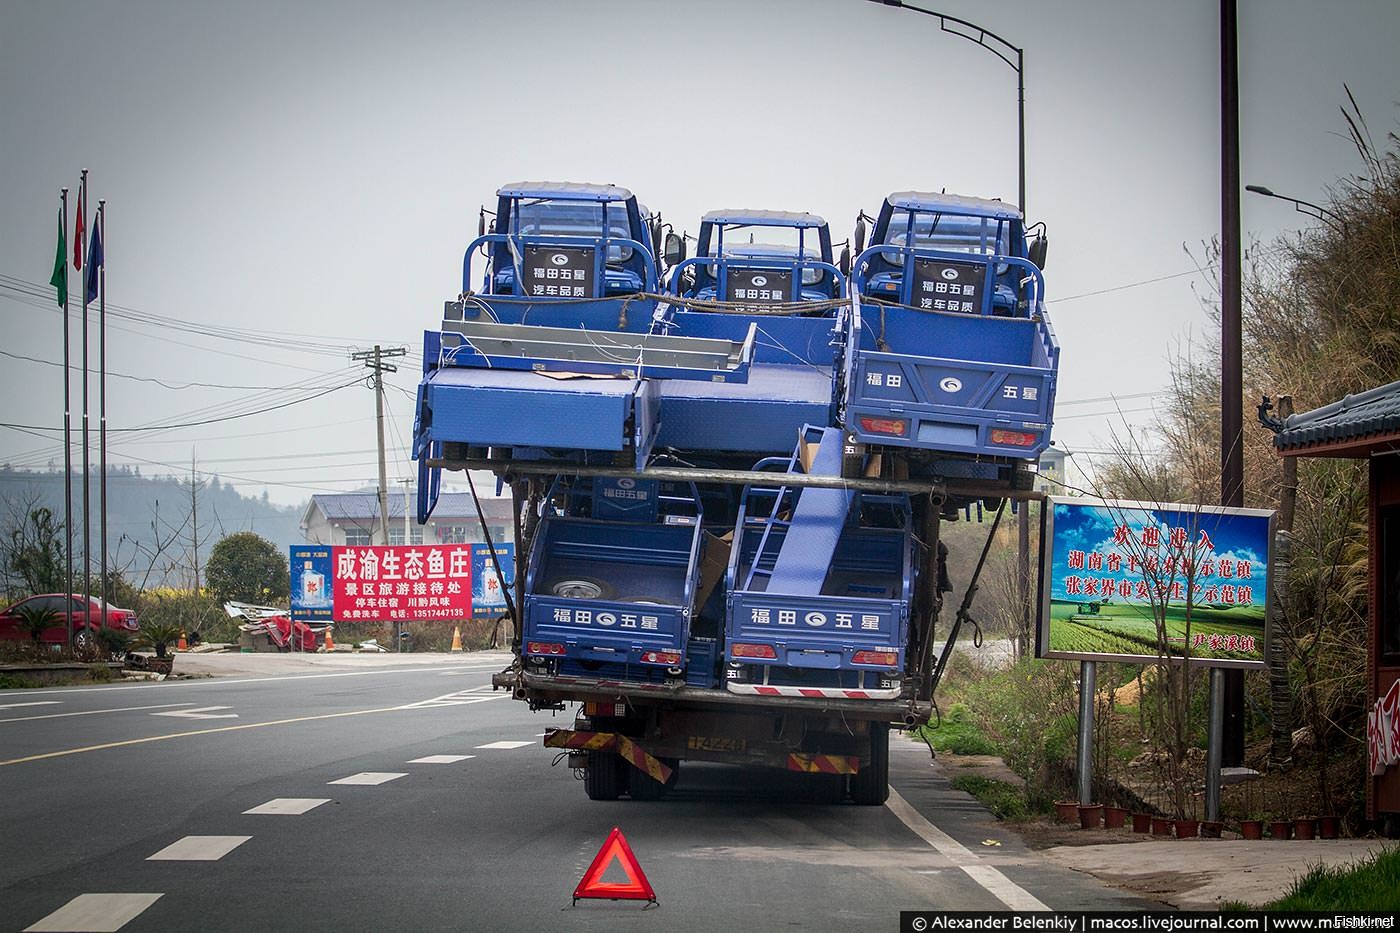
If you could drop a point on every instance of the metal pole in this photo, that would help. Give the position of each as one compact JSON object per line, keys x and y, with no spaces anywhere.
{"x":1231,"y":379}
{"x":1088,"y":674}
{"x":67,"y":448}
{"x":379,"y":426}
{"x":1021,"y":125}
{"x":102,"y":394}
{"x":1214,"y":742}
{"x":1023,"y":571}
{"x":87,"y":448}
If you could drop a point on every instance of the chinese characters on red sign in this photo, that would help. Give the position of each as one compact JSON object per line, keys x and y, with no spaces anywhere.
{"x":394,"y":583}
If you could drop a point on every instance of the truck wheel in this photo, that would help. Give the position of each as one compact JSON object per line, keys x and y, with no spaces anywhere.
{"x":870,"y":786}
{"x":643,"y":787}
{"x":603,"y":778}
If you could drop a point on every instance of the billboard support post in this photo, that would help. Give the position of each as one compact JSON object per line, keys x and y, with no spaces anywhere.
{"x":1215,"y":742}
{"x":1088,"y":674}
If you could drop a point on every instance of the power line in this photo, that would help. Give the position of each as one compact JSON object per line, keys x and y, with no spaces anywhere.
{"x":165,"y":385}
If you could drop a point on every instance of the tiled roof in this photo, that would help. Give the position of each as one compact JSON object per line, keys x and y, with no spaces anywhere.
{"x":364,"y":506}
{"x":1373,"y":412}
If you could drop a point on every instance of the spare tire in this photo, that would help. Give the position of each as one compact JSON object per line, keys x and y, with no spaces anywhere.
{"x":581,"y":588}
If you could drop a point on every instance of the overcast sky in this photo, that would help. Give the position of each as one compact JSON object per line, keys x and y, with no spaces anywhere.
{"x":291,"y":181}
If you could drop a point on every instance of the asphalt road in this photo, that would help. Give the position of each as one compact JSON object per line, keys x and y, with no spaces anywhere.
{"x":97,"y":780}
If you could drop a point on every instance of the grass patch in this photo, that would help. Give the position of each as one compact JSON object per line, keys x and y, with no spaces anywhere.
{"x":1371,"y":884}
{"x":1006,"y":801}
{"x":10,"y":682}
{"x":958,"y":734}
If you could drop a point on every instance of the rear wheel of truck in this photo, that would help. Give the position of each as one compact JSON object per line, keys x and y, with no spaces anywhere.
{"x":870,"y":786}
{"x":603,"y":778}
{"x":643,"y":787}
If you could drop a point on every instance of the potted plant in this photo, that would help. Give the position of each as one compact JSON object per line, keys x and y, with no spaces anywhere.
{"x":1142,"y":822}
{"x":1211,"y":829}
{"x":1251,"y":829}
{"x":1089,"y":815}
{"x":1280,"y":829}
{"x":1187,"y":828}
{"x":1328,"y":827}
{"x":1066,"y":811}
{"x":159,"y":636}
{"x":1114,"y":817}
{"x":1305,"y":827}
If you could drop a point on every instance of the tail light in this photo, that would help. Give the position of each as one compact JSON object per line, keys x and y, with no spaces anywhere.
{"x":1012,"y":438}
{"x":895,"y":426}
{"x":544,"y":647}
{"x":753,"y":651}
{"x":881,"y":658}
{"x":669,"y":658}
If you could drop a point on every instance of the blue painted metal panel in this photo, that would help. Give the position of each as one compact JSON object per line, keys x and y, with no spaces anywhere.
{"x":817,"y":631}
{"x":805,"y":556}
{"x":762,"y":416}
{"x":505,"y":408}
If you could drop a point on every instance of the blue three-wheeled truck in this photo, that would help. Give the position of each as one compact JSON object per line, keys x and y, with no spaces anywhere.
{"x":729,"y":470}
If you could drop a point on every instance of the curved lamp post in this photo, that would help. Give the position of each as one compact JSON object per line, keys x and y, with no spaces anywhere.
{"x":1299,"y":205}
{"x":1002,"y":49}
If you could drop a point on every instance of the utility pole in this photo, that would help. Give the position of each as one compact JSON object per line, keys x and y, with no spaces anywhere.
{"x":374,"y":360}
{"x":194,"y":521}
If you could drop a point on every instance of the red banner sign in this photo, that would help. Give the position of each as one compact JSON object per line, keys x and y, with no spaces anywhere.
{"x":401,"y":583}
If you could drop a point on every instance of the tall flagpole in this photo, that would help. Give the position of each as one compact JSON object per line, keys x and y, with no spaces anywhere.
{"x":87,"y":449}
{"x":67,"y":446}
{"x":102,"y":391}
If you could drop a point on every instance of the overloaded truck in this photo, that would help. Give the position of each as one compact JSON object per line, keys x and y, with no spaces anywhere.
{"x":729,"y":470}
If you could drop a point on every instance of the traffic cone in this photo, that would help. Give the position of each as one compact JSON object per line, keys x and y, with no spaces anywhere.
{"x":183,"y":644}
{"x":330,"y":642}
{"x":457,"y":638}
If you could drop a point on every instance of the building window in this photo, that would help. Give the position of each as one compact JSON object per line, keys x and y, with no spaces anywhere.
{"x":356,"y":537}
{"x":396,"y":536}
{"x":455,"y":534}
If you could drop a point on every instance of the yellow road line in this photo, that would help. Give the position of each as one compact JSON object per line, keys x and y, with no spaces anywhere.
{"x":180,"y":735}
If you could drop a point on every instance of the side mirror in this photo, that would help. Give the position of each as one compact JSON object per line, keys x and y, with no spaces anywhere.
{"x":1037,"y":251}
{"x":846,"y":261}
{"x":655,"y":237}
{"x":860,"y":234}
{"x":675,"y":249}
{"x":481,"y":223}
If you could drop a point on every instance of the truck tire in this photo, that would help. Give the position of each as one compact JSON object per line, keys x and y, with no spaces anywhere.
{"x":603,"y":778}
{"x":870,"y":786}
{"x":643,"y":787}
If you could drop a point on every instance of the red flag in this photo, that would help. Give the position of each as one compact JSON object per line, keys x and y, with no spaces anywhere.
{"x":78,"y":235}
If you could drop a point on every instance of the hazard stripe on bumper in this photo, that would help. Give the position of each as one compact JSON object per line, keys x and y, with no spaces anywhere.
{"x":630,"y":751}
{"x":823,"y":764}
{"x":813,"y":693}
{"x":591,"y":741}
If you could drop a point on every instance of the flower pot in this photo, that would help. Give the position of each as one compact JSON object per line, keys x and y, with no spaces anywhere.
{"x":1305,"y":827}
{"x":1114,"y":817}
{"x":1142,"y":822}
{"x":1090,"y":815}
{"x":1280,"y":829}
{"x":1328,"y":827}
{"x":1251,"y":829}
{"x":1066,"y":811}
{"x":1187,"y":829}
{"x":1210,"y":829}
{"x":1161,"y":826}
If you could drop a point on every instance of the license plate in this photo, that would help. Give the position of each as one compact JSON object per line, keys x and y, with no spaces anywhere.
{"x":705,"y":743}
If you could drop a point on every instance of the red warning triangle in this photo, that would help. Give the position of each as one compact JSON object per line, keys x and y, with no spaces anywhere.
{"x":636,"y":888}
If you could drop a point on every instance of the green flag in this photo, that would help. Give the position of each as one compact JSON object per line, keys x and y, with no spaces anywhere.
{"x":59,"y":279}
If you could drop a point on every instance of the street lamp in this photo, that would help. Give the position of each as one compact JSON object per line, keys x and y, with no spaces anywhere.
{"x":1299,"y":205}
{"x":1011,"y":54}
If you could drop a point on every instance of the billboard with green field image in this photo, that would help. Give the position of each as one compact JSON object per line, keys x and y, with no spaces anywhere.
{"x":1136,"y":581}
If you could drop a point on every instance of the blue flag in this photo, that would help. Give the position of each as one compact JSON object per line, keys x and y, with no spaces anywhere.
{"x":94,"y":262}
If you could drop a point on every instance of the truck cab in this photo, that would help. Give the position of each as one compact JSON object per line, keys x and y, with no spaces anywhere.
{"x":949,"y":346}
{"x":764,"y":257}
{"x":604,"y":236}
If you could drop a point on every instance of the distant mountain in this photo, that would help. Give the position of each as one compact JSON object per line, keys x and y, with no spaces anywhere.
{"x":162,"y":554}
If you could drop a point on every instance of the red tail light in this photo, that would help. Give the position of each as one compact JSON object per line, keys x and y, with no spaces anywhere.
{"x":669,"y":658}
{"x":896,"y":426}
{"x":753,"y":651}
{"x":544,"y":647}
{"x":1012,"y":438}
{"x":881,"y":658}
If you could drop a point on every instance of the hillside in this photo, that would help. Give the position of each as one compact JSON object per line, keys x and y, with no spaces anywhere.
{"x":149,"y":529}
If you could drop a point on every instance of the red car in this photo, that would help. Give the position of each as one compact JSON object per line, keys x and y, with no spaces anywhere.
{"x":121,"y":620}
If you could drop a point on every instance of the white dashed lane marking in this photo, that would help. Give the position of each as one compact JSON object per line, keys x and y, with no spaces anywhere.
{"x":95,"y":712}
{"x":97,"y":913}
{"x":289,"y":806}
{"x":440,"y":759}
{"x":202,"y":712}
{"x":506,"y":745}
{"x":31,"y":703}
{"x":198,"y":849}
{"x":371,"y":778}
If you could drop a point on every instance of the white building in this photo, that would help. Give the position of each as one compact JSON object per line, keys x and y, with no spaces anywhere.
{"x":352,"y":518}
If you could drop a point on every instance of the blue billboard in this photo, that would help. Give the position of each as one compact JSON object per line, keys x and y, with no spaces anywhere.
{"x":312,"y":591}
